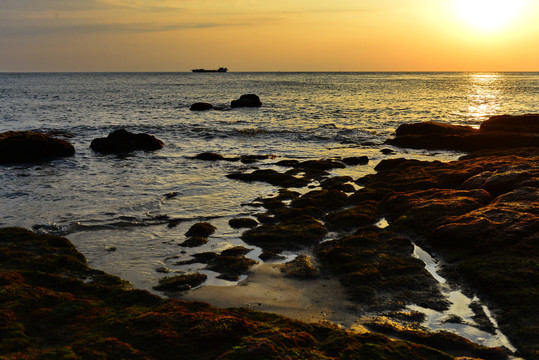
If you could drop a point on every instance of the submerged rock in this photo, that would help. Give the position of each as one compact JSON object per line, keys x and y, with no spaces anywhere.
{"x":272,"y":177}
{"x":121,"y":141}
{"x":247,"y":100}
{"x":201,"y":106}
{"x":242,"y":223}
{"x":27,"y":146}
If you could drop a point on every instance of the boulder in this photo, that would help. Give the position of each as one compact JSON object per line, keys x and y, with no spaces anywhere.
{"x":503,"y":131}
{"x":247,"y":100}
{"x":27,"y":146}
{"x":431,"y":127}
{"x":528,"y":123}
{"x":202,"y":229}
{"x":121,"y":141}
{"x":242,"y":223}
{"x":201,"y":106}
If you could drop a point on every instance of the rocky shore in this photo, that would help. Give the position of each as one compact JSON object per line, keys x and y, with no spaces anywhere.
{"x":55,"y":307}
{"x":477,"y":215}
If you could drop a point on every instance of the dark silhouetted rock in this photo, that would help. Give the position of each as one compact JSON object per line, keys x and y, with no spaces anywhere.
{"x":248,"y":100}
{"x":27,"y":146}
{"x":272,"y":177}
{"x":120,"y":141}
{"x":243,"y":223}
{"x":202,"y":229}
{"x":528,"y":123}
{"x":201,"y":106}
{"x":209,"y":156}
{"x":431,"y":127}
{"x":356,"y":160}
{"x":504,"y":131}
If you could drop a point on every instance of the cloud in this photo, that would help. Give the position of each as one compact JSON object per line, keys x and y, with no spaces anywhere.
{"x":53,"y":5}
{"x":70,"y":29}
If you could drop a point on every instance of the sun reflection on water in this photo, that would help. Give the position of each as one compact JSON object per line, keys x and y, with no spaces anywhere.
{"x":484,"y":97}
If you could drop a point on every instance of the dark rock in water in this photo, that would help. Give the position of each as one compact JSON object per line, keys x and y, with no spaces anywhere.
{"x":504,"y":131}
{"x":120,"y":141}
{"x":235,"y":251}
{"x":322,"y":199}
{"x":249,"y":159}
{"x":322,"y":164}
{"x":270,"y":176}
{"x":242,"y":223}
{"x":287,"y":163}
{"x":247,"y":100}
{"x":363,"y":214}
{"x":338,"y":183}
{"x":202,"y":229}
{"x":387,"y":151}
{"x":528,"y":123}
{"x":293,"y":234}
{"x":356,"y":160}
{"x":201,"y":106}
{"x":27,"y":146}
{"x":180,"y":282}
{"x":209,"y":156}
{"x":431,"y":127}
{"x":231,"y":265}
{"x":195,"y":241}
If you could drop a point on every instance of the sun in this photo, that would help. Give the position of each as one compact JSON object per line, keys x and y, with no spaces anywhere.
{"x":489,"y":15}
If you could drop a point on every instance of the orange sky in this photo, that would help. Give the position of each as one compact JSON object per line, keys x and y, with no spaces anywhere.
{"x":276,"y":35}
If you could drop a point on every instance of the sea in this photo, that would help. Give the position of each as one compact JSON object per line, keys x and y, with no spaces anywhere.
{"x":116,"y":208}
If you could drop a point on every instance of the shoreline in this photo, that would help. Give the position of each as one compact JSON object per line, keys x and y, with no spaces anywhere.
{"x":267,"y":289}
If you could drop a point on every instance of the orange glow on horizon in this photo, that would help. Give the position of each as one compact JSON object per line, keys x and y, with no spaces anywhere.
{"x":345,"y":35}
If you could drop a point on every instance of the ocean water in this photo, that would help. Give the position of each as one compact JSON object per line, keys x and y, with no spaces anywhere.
{"x":115,"y":209}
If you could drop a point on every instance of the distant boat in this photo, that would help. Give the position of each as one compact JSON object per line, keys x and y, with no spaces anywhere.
{"x":221,"y":69}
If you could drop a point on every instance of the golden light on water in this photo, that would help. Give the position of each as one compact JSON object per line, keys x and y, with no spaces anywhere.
{"x":489,"y":15}
{"x":483,"y":97}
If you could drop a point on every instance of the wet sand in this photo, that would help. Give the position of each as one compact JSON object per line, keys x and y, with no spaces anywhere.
{"x":267,"y":289}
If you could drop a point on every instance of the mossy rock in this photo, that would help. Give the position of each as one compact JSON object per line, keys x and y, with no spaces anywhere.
{"x":180,"y":282}
{"x":297,"y":233}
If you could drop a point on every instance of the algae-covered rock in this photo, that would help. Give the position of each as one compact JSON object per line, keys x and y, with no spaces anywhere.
{"x":180,"y":282}
{"x":293,"y":234}
{"x":271,"y":177}
{"x":54,"y":307}
{"x":301,"y":267}
{"x":27,"y":146}
{"x":202,"y":229}
{"x":352,"y":218}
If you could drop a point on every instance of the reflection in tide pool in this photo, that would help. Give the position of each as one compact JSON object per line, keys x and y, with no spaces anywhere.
{"x":460,"y":317}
